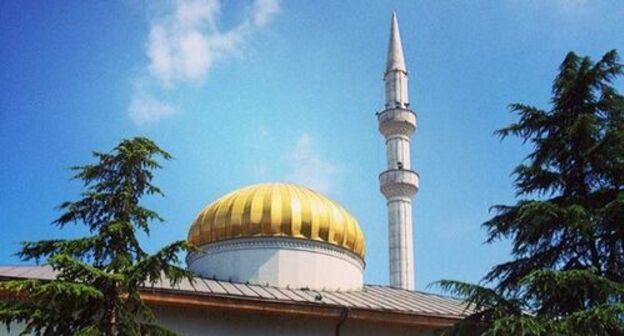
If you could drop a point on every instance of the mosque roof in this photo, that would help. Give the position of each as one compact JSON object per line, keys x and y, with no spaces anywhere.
{"x":277,"y":210}
{"x":373,"y":303}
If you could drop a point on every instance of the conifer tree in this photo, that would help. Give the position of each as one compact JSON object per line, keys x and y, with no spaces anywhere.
{"x":567,"y":227}
{"x":96,"y":291}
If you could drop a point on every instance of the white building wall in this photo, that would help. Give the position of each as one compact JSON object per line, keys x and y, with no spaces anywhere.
{"x":192,"y":322}
{"x":196,"y":322}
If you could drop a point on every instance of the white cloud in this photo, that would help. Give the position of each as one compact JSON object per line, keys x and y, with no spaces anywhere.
{"x":159,"y":53}
{"x":272,"y":156}
{"x":264,"y":11}
{"x":145,"y":109}
{"x":309,"y":168}
{"x":185,"y":42}
{"x":184,"y":45}
{"x":197,"y":13}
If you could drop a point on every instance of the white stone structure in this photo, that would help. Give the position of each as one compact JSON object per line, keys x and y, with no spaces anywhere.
{"x":280,"y":262}
{"x":398,"y":183}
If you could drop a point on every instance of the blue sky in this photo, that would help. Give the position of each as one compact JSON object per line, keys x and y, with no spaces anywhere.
{"x":242,"y":92}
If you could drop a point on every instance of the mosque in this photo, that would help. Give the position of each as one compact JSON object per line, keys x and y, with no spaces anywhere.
{"x":282,"y":259}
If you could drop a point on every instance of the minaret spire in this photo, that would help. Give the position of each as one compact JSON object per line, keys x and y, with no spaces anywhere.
{"x":396,"y":61}
{"x":398,"y":182}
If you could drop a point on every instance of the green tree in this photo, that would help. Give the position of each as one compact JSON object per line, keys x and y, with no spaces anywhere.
{"x":567,"y":227}
{"x":96,"y":291}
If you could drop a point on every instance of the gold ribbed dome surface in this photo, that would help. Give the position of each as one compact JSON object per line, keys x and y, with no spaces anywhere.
{"x":277,"y":210}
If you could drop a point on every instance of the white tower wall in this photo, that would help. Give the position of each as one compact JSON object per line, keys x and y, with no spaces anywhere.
{"x":398,"y":150}
{"x":401,"y":249}
{"x":398,"y":182}
{"x":396,"y":89}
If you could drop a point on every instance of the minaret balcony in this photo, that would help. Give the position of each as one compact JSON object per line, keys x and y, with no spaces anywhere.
{"x":399,"y":183}
{"x":397,"y":121}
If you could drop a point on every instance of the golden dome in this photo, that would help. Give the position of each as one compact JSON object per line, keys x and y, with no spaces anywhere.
{"x":277,"y":210}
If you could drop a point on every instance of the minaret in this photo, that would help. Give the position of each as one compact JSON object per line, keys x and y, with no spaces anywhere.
{"x":398,"y":183}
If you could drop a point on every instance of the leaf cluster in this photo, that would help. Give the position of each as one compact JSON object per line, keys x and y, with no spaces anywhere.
{"x":567,"y":227}
{"x":96,"y":290}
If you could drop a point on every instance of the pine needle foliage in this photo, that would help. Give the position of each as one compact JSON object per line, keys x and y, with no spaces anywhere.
{"x":96,"y":291}
{"x":567,"y":227}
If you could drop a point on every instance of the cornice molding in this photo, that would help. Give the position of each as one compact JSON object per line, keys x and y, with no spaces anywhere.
{"x":280,"y":243}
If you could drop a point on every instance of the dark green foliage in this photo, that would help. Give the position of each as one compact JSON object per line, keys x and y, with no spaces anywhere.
{"x":97,"y":288}
{"x":567,"y":228}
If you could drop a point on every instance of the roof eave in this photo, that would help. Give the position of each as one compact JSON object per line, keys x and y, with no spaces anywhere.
{"x":170,"y":298}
